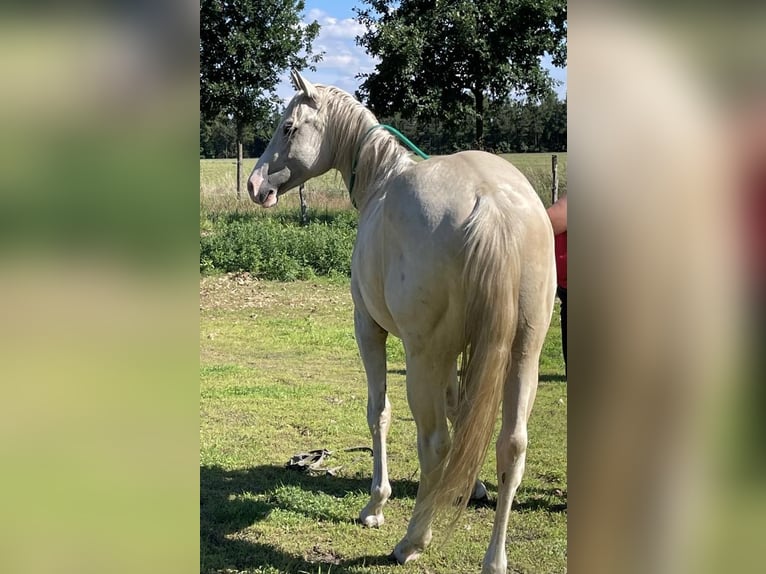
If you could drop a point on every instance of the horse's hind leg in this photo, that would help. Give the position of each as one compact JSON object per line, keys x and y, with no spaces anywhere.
{"x":479,"y":490}
{"x":518,"y":396}
{"x":426,"y":378}
{"x":371,"y":340}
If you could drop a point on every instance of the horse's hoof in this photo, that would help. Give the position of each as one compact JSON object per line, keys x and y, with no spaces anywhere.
{"x":372,"y":520}
{"x":406,"y":552}
{"x":479,"y":493}
{"x":494,"y":569}
{"x":495,"y":564}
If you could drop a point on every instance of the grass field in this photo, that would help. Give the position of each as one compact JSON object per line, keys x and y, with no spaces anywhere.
{"x":218,"y":183}
{"x":280,"y":374}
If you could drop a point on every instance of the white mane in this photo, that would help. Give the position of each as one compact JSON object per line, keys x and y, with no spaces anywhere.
{"x":347,"y":121}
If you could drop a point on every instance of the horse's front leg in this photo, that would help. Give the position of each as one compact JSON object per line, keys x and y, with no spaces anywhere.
{"x":371,"y":339}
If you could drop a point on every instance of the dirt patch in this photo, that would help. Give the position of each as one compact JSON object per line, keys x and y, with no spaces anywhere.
{"x":318,"y":554}
{"x":241,"y":291}
{"x":233,"y":291}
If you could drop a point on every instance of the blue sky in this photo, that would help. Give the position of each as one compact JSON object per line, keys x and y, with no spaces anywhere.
{"x":343,"y":59}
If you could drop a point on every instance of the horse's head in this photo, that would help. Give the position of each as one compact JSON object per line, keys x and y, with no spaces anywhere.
{"x":297,"y":150}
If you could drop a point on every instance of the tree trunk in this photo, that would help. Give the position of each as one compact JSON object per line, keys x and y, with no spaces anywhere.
{"x":478,"y":95}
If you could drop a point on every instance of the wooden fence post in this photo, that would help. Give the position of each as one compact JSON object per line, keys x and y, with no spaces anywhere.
{"x":555,"y":173}
{"x":304,"y":207}
{"x":239,"y":170}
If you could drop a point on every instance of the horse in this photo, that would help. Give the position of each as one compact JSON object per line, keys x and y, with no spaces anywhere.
{"x":454,"y":256}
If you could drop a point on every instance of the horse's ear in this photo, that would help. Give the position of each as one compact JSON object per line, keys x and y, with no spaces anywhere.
{"x":303,"y":85}
{"x":296,"y":80}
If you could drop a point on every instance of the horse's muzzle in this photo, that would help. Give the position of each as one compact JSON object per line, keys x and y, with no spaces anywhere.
{"x":265,"y":190}
{"x":264,"y":195}
{"x":268,"y":197}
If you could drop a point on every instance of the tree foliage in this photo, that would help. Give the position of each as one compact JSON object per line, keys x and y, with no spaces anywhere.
{"x":442,"y":58}
{"x":512,"y":126}
{"x":244,"y":47}
{"x":218,"y":137}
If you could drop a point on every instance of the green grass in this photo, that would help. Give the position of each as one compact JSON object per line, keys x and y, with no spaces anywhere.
{"x":280,"y":374}
{"x":537,"y":168}
{"x":272,"y":248}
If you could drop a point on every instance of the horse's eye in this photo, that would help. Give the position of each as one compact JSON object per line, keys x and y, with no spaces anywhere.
{"x":288,"y":128}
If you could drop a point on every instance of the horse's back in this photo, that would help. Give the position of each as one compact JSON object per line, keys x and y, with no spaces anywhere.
{"x":411,"y":253}
{"x":430,"y":203}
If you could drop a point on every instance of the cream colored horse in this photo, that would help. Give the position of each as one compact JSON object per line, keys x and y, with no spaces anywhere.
{"x":454,"y":255}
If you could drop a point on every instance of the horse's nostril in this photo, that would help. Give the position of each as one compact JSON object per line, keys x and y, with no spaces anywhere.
{"x":249,"y":186}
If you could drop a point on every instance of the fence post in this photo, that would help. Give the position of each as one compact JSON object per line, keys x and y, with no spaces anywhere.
{"x":555,"y":173}
{"x":239,"y":170}
{"x":304,"y":207}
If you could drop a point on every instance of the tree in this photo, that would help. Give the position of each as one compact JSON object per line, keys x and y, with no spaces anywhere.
{"x":553,"y":121}
{"x":217,"y":138}
{"x":441,"y":58}
{"x":244,"y":47}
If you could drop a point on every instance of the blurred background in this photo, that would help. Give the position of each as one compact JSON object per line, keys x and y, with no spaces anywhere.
{"x":667,"y":160}
{"x":99,"y":285}
{"x":98,"y":298}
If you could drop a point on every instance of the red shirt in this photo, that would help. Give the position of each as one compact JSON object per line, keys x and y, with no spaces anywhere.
{"x":755,"y":226}
{"x":560,"y":243}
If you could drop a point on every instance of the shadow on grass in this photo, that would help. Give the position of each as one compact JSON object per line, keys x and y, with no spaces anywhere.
{"x":527,"y":499}
{"x":224,"y":512}
{"x":535,"y":499}
{"x":553,"y":378}
{"x":544,"y":378}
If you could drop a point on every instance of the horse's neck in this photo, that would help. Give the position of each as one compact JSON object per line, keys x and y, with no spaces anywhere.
{"x":379,"y":158}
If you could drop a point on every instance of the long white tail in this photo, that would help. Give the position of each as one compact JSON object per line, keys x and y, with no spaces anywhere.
{"x":491,"y":277}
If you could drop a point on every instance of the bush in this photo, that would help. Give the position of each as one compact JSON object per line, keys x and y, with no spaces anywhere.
{"x":277,"y":247}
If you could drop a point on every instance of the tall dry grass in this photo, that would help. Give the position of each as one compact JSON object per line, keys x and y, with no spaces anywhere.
{"x":327,"y":193}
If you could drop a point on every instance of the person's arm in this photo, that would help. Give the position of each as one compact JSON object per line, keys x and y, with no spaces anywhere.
{"x":558,"y":215}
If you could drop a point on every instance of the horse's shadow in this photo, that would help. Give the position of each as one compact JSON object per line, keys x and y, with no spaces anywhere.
{"x":543,"y":378}
{"x":227,"y":507}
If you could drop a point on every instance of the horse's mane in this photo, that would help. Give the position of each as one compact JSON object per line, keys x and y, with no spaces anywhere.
{"x":347,"y":120}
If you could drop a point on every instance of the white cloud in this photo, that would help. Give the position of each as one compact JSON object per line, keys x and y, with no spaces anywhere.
{"x":316,"y":14}
{"x":343,"y":59}
{"x":347,"y":28}
{"x":346,"y":60}
{"x":332,"y":27}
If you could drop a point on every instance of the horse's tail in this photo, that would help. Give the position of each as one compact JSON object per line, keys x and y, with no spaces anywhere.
{"x":491,"y":277}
